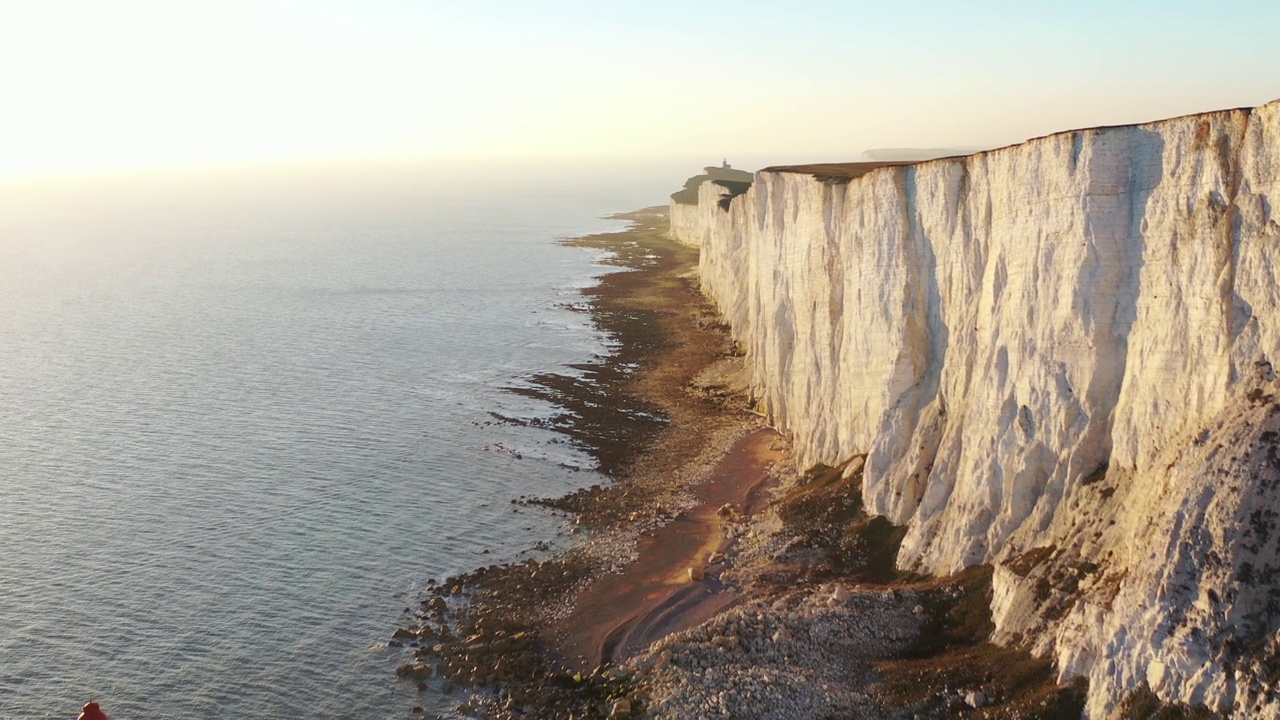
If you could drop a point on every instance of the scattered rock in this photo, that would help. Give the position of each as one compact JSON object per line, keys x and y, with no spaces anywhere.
{"x":621,"y":708}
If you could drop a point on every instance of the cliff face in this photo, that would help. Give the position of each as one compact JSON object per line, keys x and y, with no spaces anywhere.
{"x":1058,"y":357}
{"x":687,"y":224}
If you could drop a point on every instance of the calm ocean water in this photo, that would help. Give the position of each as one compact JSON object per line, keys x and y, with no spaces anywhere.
{"x":243,"y":418}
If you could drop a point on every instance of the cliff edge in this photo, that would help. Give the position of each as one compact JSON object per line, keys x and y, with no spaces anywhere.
{"x":725,"y":183}
{"x":1058,"y":358}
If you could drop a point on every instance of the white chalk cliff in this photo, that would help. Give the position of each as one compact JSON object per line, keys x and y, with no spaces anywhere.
{"x":1057,"y":357}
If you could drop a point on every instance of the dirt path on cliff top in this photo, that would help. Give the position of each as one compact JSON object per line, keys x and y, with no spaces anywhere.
{"x":653,"y":421}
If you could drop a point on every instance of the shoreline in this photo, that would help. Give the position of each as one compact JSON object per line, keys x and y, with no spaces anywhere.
{"x":660,"y":414}
{"x":624,"y":613}
{"x":801,"y":612}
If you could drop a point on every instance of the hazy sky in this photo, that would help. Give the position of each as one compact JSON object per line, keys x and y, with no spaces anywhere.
{"x":137,"y":83}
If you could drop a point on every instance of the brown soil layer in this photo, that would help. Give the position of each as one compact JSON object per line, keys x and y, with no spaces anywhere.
{"x":837,"y":172}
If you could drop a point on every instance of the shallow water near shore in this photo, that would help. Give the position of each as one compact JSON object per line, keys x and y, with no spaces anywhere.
{"x":239,"y":429}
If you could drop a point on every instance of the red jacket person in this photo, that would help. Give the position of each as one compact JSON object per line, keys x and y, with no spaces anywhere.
{"x":91,"y":711}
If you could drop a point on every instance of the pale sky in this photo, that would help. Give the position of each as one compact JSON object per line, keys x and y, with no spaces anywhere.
{"x":140,"y":83}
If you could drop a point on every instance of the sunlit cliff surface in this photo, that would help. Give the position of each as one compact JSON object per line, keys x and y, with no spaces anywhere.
{"x":1058,"y":357}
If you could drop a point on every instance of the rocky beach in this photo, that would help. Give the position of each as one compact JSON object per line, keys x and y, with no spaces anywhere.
{"x":708,"y":579}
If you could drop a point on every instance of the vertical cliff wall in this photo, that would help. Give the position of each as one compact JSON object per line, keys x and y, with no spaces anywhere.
{"x":687,"y":220}
{"x":1058,"y":358}
{"x":687,"y":224}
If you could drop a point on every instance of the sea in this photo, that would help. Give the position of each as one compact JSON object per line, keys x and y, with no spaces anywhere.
{"x":246,"y":414}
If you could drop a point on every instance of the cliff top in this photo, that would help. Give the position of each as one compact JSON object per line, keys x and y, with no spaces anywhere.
{"x":833,"y":173}
{"x":840,"y":173}
{"x":722,"y":175}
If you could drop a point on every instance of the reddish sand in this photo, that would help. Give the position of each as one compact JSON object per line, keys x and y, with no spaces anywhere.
{"x":653,"y":596}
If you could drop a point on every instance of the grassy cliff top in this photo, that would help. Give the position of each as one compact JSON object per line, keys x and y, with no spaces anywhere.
{"x":728,"y":177}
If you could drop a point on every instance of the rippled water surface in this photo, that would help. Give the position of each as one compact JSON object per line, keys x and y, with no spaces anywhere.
{"x":243,"y":419}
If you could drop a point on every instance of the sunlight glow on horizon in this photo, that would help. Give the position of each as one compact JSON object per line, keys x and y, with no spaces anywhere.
{"x":144,"y":83}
